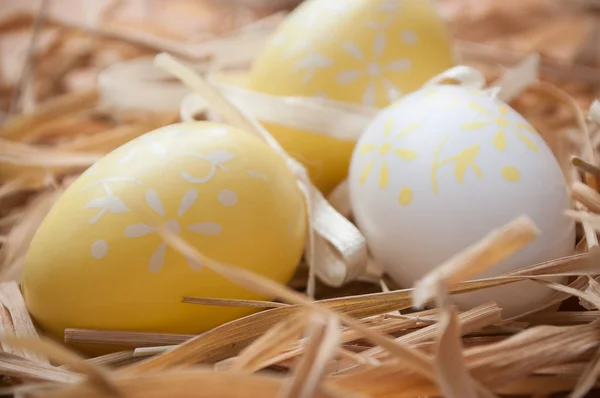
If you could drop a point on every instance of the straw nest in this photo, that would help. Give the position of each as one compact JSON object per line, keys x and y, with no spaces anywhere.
{"x":361,"y":340}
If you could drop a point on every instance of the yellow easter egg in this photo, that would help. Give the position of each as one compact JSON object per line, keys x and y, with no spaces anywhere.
{"x":358,"y":51}
{"x":96,"y":262}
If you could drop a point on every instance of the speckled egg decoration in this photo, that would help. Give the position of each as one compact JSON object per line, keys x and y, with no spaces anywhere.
{"x":358,"y":51}
{"x":94,"y":262}
{"x":438,"y":170}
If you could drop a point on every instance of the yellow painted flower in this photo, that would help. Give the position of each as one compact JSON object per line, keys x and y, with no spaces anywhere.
{"x":462,"y":162}
{"x":435,"y":100}
{"x":384,"y":150}
{"x":386,"y":15}
{"x":498,"y":117}
{"x":442,"y":99}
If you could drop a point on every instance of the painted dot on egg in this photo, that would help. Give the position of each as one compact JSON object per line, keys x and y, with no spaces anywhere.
{"x":511,"y":174}
{"x":409,"y":37}
{"x":256,"y":174}
{"x":99,"y":249}
{"x":405,"y":196}
{"x":500,"y":141}
{"x":228,"y":197}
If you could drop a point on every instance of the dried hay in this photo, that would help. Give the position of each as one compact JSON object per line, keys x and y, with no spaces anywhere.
{"x":357,"y":340}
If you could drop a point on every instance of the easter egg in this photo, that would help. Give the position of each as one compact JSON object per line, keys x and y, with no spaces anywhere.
{"x":97,"y":263}
{"x":438,"y":170}
{"x":357,"y":51}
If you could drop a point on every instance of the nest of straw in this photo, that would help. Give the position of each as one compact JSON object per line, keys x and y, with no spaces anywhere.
{"x":360,"y":340}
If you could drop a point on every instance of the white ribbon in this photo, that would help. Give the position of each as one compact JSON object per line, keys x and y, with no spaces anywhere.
{"x":139,"y":85}
{"x":512,"y":82}
{"x":464,"y":75}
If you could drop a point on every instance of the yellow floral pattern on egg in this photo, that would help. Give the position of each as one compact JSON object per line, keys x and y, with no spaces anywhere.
{"x":498,"y":118}
{"x":385,"y":149}
{"x":474,"y":122}
{"x":359,"y":51}
{"x":462,"y":161}
{"x":480,"y":165}
{"x":221,"y":189}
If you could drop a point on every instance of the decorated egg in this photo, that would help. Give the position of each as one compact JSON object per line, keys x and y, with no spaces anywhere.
{"x":442,"y":167}
{"x":97,"y":263}
{"x":359,"y":51}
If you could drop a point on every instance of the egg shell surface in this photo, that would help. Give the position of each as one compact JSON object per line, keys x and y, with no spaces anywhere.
{"x":96,"y":263}
{"x":357,"y":51}
{"x":438,"y":170}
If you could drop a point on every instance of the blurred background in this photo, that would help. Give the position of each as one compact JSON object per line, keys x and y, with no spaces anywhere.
{"x":52,"y":47}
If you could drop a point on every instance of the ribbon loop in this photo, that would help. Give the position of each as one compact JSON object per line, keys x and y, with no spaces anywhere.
{"x":464,"y":75}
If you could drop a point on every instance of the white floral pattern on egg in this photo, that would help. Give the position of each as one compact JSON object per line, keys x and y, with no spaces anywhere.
{"x":97,"y":260}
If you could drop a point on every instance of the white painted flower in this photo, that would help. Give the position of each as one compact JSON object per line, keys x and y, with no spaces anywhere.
{"x":132,"y":148}
{"x":216,"y":160}
{"x":109,"y":203}
{"x":154,"y":142}
{"x":388,"y":9}
{"x":99,"y":249}
{"x":373,"y":71}
{"x":187,"y":201}
{"x":257,"y":175}
{"x":310,"y":64}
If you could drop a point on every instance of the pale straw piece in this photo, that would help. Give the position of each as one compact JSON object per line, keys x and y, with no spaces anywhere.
{"x":416,"y":360}
{"x":96,"y":375}
{"x":516,"y":79}
{"x":12,"y":300}
{"x":322,"y":342}
{"x":495,"y":247}
{"x":586,"y":196}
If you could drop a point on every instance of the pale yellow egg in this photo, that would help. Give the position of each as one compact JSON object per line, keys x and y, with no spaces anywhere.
{"x":96,"y":263}
{"x":358,"y":51}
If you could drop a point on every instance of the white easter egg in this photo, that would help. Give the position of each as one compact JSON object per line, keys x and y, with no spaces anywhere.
{"x":438,"y":170}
